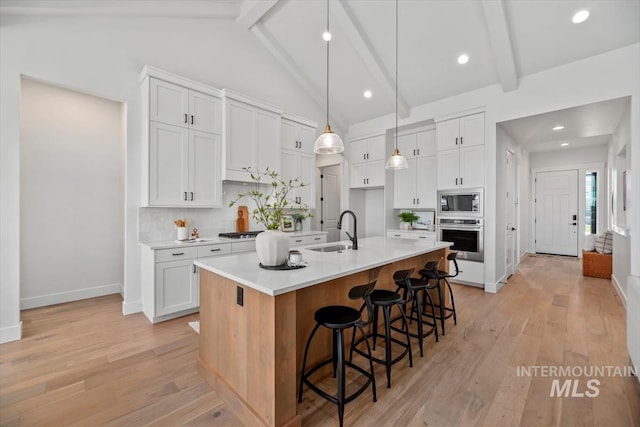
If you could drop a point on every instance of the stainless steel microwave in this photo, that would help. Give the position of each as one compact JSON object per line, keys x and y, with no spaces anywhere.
{"x":461,"y":203}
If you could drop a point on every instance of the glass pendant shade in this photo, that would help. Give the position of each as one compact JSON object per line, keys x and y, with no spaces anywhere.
{"x":397,"y":161}
{"x":328,"y":143}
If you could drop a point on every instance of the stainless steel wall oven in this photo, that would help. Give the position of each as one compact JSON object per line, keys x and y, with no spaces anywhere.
{"x":467,"y":235}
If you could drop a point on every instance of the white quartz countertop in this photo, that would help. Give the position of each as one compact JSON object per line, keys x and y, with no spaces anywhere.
{"x":322,"y":266}
{"x":167,"y":244}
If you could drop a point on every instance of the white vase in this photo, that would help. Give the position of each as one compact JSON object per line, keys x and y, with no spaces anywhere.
{"x":272,"y":247}
{"x":404,"y":225}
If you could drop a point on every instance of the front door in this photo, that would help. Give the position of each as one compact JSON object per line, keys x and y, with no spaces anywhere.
{"x":556,"y":219}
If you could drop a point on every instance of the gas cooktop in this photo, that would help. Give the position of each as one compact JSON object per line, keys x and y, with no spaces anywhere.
{"x":242,"y":235}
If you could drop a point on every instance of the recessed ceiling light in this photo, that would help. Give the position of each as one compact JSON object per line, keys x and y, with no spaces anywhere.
{"x":367,"y":94}
{"x":463,"y":59}
{"x":580,"y":16}
{"x":558,"y":128}
{"x":564,"y":144}
{"x":326,"y":36}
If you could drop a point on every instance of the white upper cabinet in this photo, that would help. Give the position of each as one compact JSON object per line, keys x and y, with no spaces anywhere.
{"x":416,"y":186}
{"x":367,"y":158}
{"x":298,"y":136}
{"x":180,"y":106}
{"x":461,"y":152}
{"x":461,"y":132}
{"x":251,"y":136}
{"x":182,"y":154}
{"x":297,"y":157}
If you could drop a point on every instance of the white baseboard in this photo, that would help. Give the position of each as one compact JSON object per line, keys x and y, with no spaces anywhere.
{"x":75,"y":295}
{"x":493,"y":288}
{"x":129,"y":307}
{"x":11,"y":333}
{"x":619,"y":290}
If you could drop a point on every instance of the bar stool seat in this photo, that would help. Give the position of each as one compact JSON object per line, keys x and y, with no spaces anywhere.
{"x":432,"y":272}
{"x":337,"y":318}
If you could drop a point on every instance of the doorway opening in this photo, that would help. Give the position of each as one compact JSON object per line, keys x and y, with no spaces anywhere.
{"x":591,"y":203}
{"x":329,"y":203}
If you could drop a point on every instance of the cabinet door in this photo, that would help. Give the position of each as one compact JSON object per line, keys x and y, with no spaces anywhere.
{"x":407,"y":145}
{"x":176,"y":286}
{"x":307,"y":138}
{"x":358,"y":175}
{"x":307,"y":171}
{"x":426,"y":177}
{"x":168,"y":165}
{"x":358,"y":151}
{"x":289,"y":135}
{"x":240,"y":127}
{"x":204,"y":112}
{"x":448,"y":169}
{"x":448,"y":133}
{"x":426,"y":143}
{"x":268,"y":140}
{"x":375,"y":173}
{"x":404,"y":186}
{"x":289,"y":169}
{"x":204,"y":169}
{"x":168,"y":103}
{"x":472,"y":130}
{"x":376,"y":148}
{"x":472,"y":166}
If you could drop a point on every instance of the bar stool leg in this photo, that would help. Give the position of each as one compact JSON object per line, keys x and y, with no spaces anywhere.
{"x":387,"y":346}
{"x":418,"y":307}
{"x":334,"y":350}
{"x":373,"y":377}
{"x":441,"y":300}
{"x":453,"y":304}
{"x":406,"y":329}
{"x":340,"y":362}
{"x":304,"y":360}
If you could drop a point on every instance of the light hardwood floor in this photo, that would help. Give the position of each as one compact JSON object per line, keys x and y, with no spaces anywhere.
{"x":83,"y":363}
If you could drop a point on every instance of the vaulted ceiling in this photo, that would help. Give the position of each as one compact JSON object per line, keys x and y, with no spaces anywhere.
{"x":504,"y":39}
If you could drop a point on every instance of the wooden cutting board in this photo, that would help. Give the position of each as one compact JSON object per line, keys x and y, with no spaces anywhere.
{"x":242,"y":223}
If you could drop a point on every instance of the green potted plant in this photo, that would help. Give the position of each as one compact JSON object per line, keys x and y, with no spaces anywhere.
{"x":406,"y":219}
{"x":271,"y":198}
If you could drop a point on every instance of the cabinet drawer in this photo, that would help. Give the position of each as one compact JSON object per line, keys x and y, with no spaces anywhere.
{"x":307,"y":240}
{"x":243,"y":246}
{"x":176,"y":254}
{"x":412,"y":235}
{"x":213,"y":250}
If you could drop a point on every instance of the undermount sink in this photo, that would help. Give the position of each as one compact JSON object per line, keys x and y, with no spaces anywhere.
{"x":334,"y":248}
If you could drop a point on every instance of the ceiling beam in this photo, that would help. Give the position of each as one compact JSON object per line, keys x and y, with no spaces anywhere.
{"x":295,"y":71}
{"x":497,"y":25}
{"x":363,"y":46}
{"x":252,"y":11}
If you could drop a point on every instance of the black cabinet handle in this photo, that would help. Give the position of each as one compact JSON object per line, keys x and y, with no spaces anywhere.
{"x":215,"y":250}
{"x":317,"y":238}
{"x":299,"y":240}
{"x":192,"y":119}
{"x":178,"y":254}
{"x":396,"y":235}
{"x":456,"y":140}
{"x":414,"y":202}
{"x":460,"y":140}
{"x":185,"y":196}
{"x":185,"y":117}
{"x":417,"y":201}
{"x":460,"y":181}
{"x":194,"y":269}
{"x":422,"y":237}
{"x":418,"y":151}
{"x":192,"y":196}
{"x":456,"y":181}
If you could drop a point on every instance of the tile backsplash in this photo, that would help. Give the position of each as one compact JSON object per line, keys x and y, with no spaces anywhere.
{"x":156,"y":224}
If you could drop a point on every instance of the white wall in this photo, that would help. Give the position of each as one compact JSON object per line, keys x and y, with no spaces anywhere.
{"x":103,"y":56}
{"x":620,"y":219}
{"x":560,"y":158}
{"x":607,"y":76}
{"x":374,"y":213}
{"x":72,"y":195}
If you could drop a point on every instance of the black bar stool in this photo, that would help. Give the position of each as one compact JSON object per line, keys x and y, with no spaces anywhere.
{"x":412,"y":287}
{"x":385,"y":299}
{"x":430,"y":272}
{"x":337,"y":318}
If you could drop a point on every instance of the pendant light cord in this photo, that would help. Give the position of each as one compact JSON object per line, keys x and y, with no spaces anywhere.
{"x":396,"y":136}
{"x":328,"y":31}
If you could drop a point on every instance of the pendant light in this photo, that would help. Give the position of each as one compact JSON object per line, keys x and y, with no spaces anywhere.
{"x":397,"y":160}
{"x":328,"y":142}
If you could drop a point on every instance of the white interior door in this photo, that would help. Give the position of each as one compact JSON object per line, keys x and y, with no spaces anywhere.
{"x":510,"y":215}
{"x":330,"y":201}
{"x":557,"y":212}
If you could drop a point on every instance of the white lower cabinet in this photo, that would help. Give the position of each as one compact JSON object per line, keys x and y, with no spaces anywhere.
{"x":415,"y":235}
{"x":471,"y":273}
{"x":170,"y":280}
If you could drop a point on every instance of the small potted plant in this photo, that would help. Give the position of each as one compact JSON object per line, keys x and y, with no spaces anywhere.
{"x":406,"y":219}
{"x":298,"y":217}
{"x":272,"y":246}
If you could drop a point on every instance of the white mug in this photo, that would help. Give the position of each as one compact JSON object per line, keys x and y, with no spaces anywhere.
{"x":295,"y":258}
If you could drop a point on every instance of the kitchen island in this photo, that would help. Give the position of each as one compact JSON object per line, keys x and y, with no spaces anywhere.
{"x":254,"y":322}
